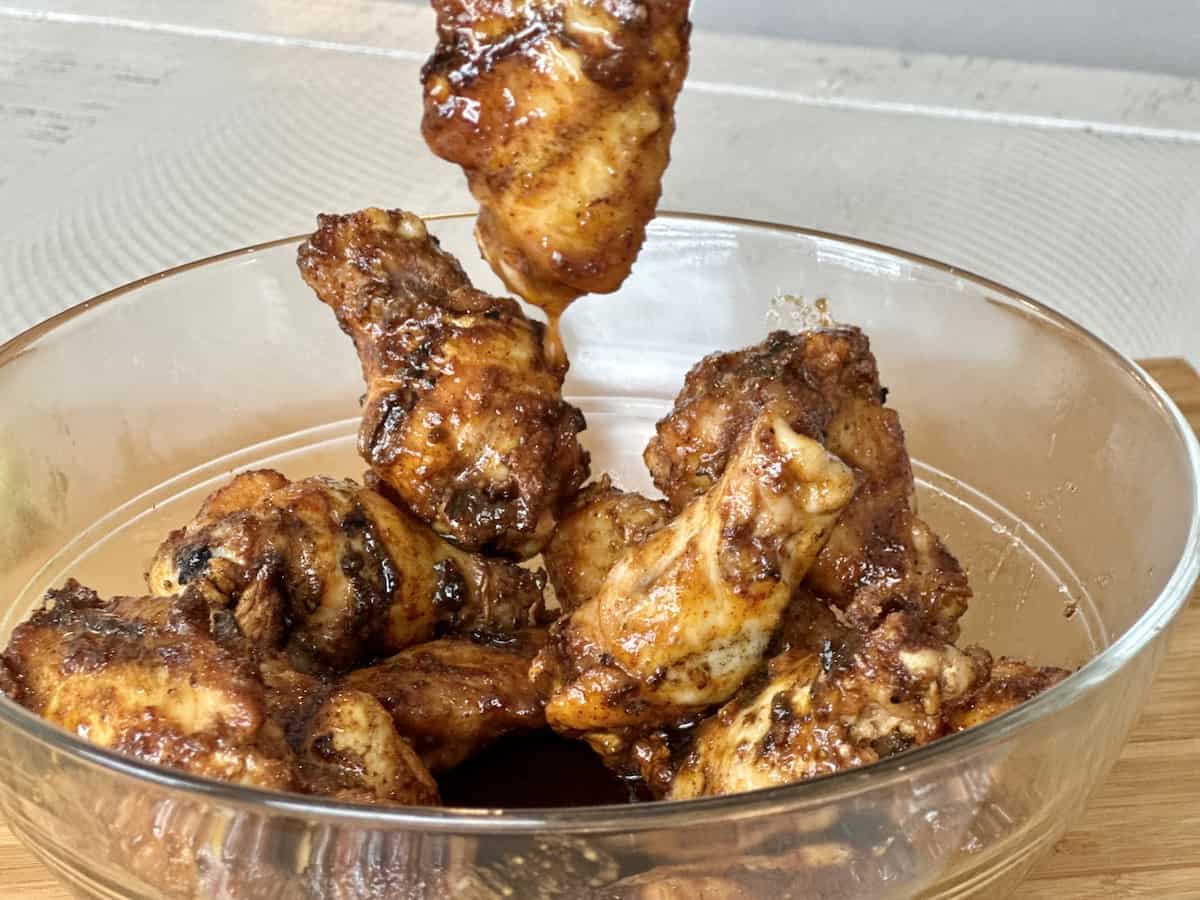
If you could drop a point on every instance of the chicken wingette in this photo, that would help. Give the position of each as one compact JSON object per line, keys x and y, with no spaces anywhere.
{"x":858,"y":699}
{"x":861,"y":698}
{"x":172,"y":681}
{"x":335,"y":574}
{"x":881,"y":556}
{"x":561,"y":114}
{"x":684,"y":617}
{"x":463,"y":417}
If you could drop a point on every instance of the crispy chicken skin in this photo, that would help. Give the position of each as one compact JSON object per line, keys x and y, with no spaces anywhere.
{"x":453,"y":696}
{"x":600,"y":526}
{"x":561,"y":114}
{"x":463,"y":416}
{"x":683,"y":618}
{"x":172,"y":681}
{"x":813,"y":714}
{"x":335,"y":573}
{"x":823,"y":383}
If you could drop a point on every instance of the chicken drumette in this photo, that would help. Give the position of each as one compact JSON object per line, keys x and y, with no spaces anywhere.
{"x":336,"y":574}
{"x":561,"y":113}
{"x":463,"y":417}
{"x":453,"y":696}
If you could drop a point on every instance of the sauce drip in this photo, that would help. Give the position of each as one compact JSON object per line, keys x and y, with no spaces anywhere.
{"x":553,"y":300}
{"x":532,"y":769}
{"x":556,"y":353}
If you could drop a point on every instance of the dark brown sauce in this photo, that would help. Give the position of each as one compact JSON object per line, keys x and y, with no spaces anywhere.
{"x":556,"y":353}
{"x":536,"y":768}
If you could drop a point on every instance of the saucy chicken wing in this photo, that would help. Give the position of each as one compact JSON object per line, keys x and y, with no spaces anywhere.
{"x":561,"y":114}
{"x":599,"y":527}
{"x":1010,"y":684}
{"x":335,"y":573}
{"x":454,"y":696}
{"x":172,"y":681}
{"x":684,"y":617}
{"x":463,"y":416}
{"x":352,"y":751}
{"x":859,"y":699}
{"x":823,"y":383}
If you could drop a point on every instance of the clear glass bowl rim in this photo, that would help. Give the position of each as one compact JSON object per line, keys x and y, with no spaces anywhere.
{"x":791,"y":798}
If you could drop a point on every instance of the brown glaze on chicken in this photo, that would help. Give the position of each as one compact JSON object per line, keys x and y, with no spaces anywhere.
{"x":593,"y":534}
{"x":175,"y":686}
{"x":881,"y":557}
{"x":813,"y":714}
{"x":173,"y":682}
{"x":335,"y":573}
{"x":352,"y":751}
{"x":561,"y":114}
{"x":463,"y":416}
{"x":454,"y":696}
{"x":684,"y":617}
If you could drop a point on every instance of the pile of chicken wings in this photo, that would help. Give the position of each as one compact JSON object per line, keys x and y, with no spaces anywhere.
{"x":782,"y":613}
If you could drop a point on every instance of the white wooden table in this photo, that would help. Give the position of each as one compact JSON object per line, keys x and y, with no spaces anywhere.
{"x":138,"y":134}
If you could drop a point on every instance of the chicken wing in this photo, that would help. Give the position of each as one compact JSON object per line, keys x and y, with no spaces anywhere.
{"x":1011,"y":683}
{"x":335,"y":573}
{"x":683,"y":618}
{"x":352,"y":751}
{"x":561,"y":113}
{"x":824,"y":383}
{"x":595,"y":532}
{"x":171,"y":683}
{"x":453,"y":696}
{"x":813,"y":714}
{"x":463,"y":416}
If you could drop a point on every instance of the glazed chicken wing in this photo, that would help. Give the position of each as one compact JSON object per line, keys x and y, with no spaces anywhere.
{"x":335,"y":573}
{"x":454,"y":696}
{"x":351,"y":750}
{"x":463,"y":417}
{"x":168,"y":682}
{"x":824,"y":384}
{"x":173,"y":682}
{"x":684,"y":617}
{"x":859,"y":699}
{"x":600,"y":526}
{"x":561,"y":113}
{"x":1010,"y":684}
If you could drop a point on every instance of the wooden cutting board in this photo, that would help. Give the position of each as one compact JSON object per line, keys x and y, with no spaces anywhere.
{"x":1141,"y":834}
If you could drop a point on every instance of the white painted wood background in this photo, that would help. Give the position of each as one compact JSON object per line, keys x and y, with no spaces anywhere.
{"x":136,"y":135}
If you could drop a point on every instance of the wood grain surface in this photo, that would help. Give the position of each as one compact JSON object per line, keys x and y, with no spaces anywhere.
{"x":1141,"y":834}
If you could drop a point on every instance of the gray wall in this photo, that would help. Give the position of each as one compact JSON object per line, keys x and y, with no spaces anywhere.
{"x":1154,"y":35}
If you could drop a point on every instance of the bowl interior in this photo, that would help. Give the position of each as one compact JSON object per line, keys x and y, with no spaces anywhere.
{"x":1051,"y":468}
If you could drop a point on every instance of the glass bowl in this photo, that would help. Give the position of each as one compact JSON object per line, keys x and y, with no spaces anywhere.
{"x":1056,"y":470}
